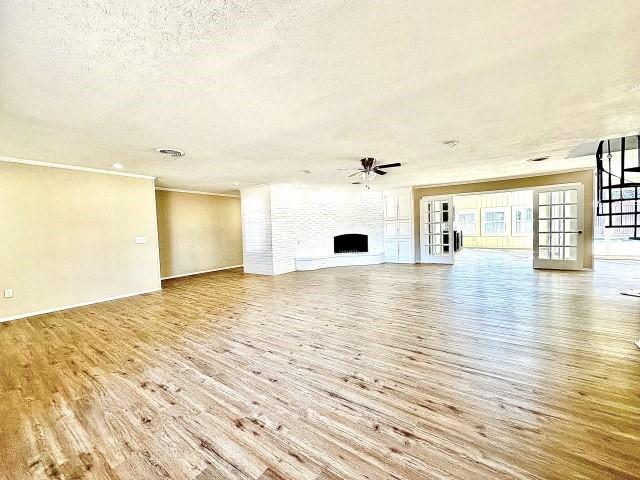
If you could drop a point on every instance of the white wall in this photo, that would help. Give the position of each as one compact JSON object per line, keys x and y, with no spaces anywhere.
{"x":255,"y":207}
{"x":303,"y":222}
{"x":480,"y":202}
{"x":67,"y":237}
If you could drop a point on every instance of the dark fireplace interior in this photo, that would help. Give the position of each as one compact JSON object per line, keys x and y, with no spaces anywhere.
{"x":350,"y":242}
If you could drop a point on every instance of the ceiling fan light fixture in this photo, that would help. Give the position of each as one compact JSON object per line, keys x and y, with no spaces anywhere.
{"x":369,"y":169}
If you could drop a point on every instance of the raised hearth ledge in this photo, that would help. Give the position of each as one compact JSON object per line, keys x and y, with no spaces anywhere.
{"x":339,"y":260}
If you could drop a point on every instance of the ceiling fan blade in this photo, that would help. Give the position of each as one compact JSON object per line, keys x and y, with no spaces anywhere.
{"x":380,"y":172}
{"x":355,"y":173}
{"x":389,"y":165}
{"x":350,"y":168}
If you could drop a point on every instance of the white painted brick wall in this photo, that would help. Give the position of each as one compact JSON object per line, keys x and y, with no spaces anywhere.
{"x":304,"y":221}
{"x":255,"y":208}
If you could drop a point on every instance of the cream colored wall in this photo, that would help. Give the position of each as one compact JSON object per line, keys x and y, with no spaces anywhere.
{"x":586,"y":177}
{"x":67,"y":237}
{"x":507,"y":200}
{"x":198,"y":232}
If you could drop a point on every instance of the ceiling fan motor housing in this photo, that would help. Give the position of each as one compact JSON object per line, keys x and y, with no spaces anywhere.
{"x":368,"y":163}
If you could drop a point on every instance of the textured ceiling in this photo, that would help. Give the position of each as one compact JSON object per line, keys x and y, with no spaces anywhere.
{"x":257,"y":91}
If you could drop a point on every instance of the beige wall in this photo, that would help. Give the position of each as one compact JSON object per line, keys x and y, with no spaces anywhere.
{"x":478,"y":203}
{"x":67,"y":237}
{"x":198,"y":232}
{"x":586,"y":177}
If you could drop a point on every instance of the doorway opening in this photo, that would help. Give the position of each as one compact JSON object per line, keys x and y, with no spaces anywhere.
{"x":616,"y":242}
{"x":544,"y":223}
{"x":498,"y":221}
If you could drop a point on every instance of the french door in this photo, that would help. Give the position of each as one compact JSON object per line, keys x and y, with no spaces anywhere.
{"x":436,"y":230}
{"x":558,"y":222}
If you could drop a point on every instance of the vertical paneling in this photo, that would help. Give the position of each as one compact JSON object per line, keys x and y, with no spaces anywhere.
{"x":507,"y":200}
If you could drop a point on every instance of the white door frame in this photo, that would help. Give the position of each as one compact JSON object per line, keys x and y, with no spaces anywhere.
{"x":445,"y":258}
{"x":546,"y":261}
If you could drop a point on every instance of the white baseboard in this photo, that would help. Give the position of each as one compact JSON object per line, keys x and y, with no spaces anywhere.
{"x":202,"y":271}
{"x":67,"y":307}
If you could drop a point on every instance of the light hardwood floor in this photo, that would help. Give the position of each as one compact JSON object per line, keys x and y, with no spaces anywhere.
{"x":487,"y":370}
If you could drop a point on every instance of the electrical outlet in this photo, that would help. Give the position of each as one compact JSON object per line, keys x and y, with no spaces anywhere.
{"x":8,"y":292}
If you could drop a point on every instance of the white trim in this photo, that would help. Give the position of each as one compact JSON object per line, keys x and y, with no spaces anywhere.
{"x":631,"y":258}
{"x":513,"y":220}
{"x":157,"y":232}
{"x":198,"y":273}
{"x":476,"y":221}
{"x":83,"y":304}
{"x":507,"y":221}
{"x":177,"y":190}
{"x":39,"y":163}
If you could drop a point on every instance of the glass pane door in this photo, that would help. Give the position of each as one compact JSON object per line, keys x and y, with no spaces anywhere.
{"x":436,"y":230}
{"x":558,"y":224}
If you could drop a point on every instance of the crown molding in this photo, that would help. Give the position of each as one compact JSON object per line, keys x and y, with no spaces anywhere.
{"x":39,"y":163}
{"x":177,"y":190}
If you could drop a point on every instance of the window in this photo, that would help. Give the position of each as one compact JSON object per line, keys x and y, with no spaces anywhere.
{"x":494,"y":221}
{"x":466,"y":221}
{"x":522,"y":221}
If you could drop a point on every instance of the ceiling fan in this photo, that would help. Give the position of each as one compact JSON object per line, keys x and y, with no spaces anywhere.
{"x":368,"y":170}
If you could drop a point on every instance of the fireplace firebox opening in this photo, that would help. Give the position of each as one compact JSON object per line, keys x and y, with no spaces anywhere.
{"x":350,"y":243}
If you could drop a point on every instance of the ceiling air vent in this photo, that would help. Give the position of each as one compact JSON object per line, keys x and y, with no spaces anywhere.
{"x":171,"y":151}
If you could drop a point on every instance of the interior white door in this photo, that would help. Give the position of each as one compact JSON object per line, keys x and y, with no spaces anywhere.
{"x":436,"y":230}
{"x":405,"y":204}
{"x":405,"y":250}
{"x":391,"y":250}
{"x":558,"y":223}
{"x":404,"y":228}
{"x":390,"y":207}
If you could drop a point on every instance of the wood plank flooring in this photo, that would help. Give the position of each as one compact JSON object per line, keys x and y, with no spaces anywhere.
{"x":484,"y":370}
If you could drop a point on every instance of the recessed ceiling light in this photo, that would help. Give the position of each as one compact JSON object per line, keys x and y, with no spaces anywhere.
{"x":635,"y":88}
{"x":173,"y":152}
{"x":236,"y":183}
{"x":119,"y":166}
{"x":451,"y":143}
{"x":538,"y":159}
